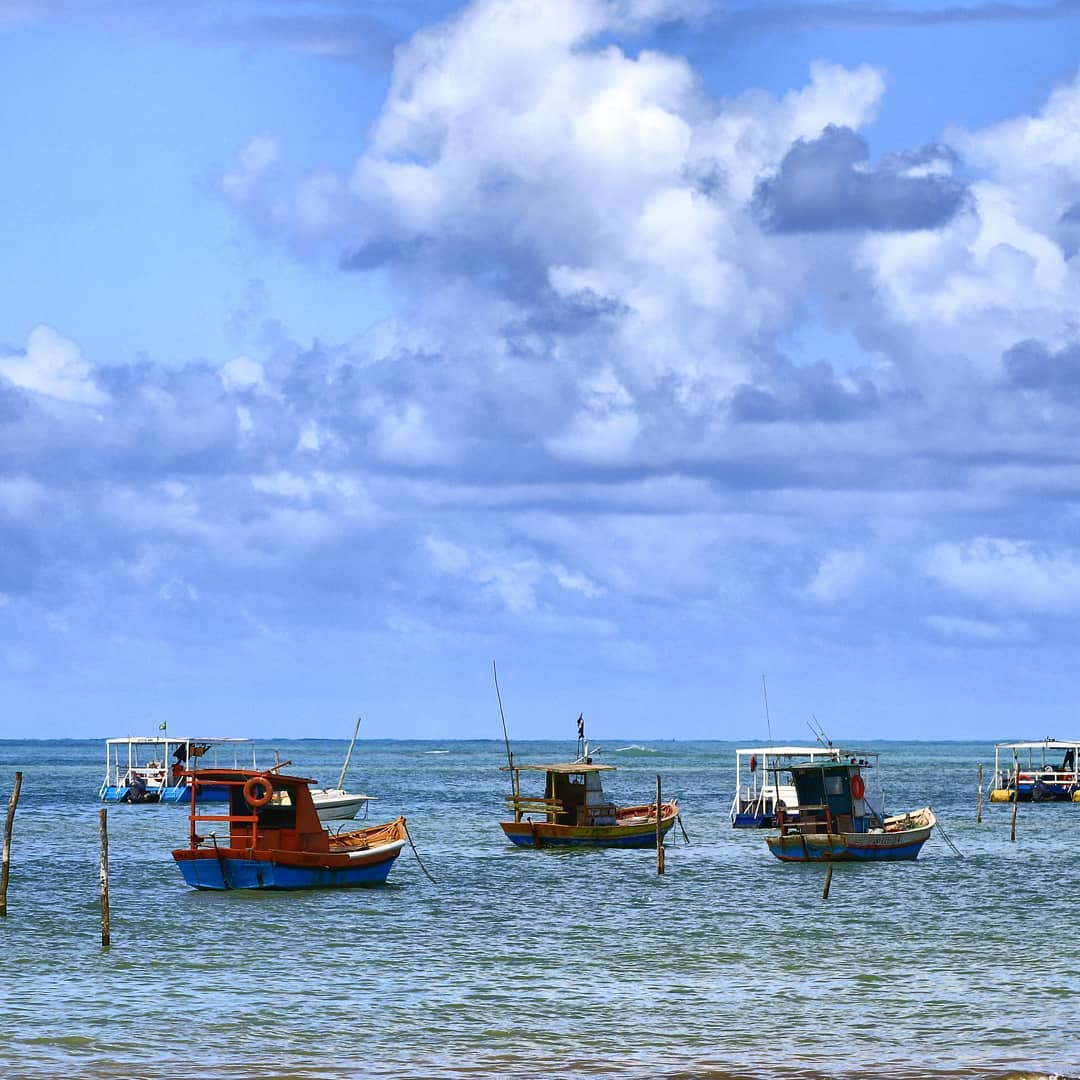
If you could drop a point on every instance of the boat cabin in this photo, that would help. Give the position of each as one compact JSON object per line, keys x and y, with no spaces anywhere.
{"x":573,"y":794}
{"x":832,"y":798}
{"x":263,"y":810}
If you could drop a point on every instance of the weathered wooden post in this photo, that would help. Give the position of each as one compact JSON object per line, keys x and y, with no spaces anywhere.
{"x":6,"y":868}
{"x":104,"y":881}
{"x":978,"y":802}
{"x":828,"y":883}
{"x":659,"y":830}
{"x":1016,"y":794}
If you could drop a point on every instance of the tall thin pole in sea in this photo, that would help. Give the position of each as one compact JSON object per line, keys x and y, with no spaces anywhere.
{"x":1016,"y":794}
{"x":5,"y":871}
{"x":509,"y":752}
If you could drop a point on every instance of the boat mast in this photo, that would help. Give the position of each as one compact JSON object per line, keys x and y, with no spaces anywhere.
{"x":341,"y":779}
{"x":514,"y":779}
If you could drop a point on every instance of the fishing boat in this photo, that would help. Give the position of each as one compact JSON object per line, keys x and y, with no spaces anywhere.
{"x":275,"y":839}
{"x":763,"y":783}
{"x":1042,"y":770}
{"x":337,"y":804}
{"x":154,"y":768}
{"x":838,"y":821}
{"x":575,"y":812}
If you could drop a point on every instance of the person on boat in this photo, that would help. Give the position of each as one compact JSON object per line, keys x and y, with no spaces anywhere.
{"x":136,"y":790}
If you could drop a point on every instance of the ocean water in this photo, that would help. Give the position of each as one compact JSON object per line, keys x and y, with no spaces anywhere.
{"x":524,"y":963}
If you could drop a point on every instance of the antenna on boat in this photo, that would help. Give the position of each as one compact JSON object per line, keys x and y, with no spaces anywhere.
{"x":502,"y":715}
{"x":819,"y":732}
{"x":341,"y":779}
{"x":582,"y":745}
{"x":768,"y":721}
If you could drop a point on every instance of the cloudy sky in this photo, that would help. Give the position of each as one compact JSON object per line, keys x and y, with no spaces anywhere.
{"x":647,"y":347}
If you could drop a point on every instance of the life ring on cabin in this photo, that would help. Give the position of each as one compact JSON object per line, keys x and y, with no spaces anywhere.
{"x":753,"y":762}
{"x":258,"y":783}
{"x":858,"y":788}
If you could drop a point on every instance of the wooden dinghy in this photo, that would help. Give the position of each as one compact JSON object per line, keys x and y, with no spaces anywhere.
{"x":275,"y":839}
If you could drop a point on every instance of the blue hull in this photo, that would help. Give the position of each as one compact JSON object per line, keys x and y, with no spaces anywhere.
{"x":173,"y":796}
{"x":262,"y":874}
{"x":587,"y":838}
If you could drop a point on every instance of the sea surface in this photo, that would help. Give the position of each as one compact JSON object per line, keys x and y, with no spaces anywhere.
{"x":524,"y":963}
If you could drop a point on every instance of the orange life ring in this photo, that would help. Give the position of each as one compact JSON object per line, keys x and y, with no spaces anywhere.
{"x":753,"y":762}
{"x":858,"y":788}
{"x":257,"y":802}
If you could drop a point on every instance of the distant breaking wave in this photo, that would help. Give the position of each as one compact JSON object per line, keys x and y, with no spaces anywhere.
{"x":633,"y":748}
{"x":435,"y":751}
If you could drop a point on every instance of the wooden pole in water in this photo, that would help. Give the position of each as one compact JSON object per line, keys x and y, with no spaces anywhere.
{"x":828,"y":883}
{"x":105,"y":937}
{"x":978,"y":804}
{"x":659,"y":830}
{"x":1016,"y":795}
{"x":4,"y":871}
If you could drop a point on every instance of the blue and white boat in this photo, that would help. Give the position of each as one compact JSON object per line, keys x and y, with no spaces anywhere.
{"x":763,"y":783}
{"x":839,"y":820}
{"x":1042,"y":770}
{"x":153,"y":768}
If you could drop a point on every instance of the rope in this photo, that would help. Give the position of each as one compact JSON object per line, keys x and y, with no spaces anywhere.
{"x":418,"y":859}
{"x":678,"y":818}
{"x":948,"y":840}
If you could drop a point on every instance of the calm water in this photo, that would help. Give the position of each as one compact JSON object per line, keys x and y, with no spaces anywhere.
{"x":536,"y":964}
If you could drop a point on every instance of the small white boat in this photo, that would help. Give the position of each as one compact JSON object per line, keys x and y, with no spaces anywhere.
{"x":336,"y":804}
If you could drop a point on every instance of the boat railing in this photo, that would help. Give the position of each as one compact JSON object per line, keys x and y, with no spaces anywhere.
{"x":526,"y":804}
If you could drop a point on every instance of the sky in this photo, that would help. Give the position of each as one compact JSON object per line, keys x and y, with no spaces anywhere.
{"x":661,"y":352}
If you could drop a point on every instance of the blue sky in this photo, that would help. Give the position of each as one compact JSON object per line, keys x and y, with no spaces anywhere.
{"x":645,"y":346}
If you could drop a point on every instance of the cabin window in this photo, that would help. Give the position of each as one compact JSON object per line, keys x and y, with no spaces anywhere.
{"x":834,"y":785}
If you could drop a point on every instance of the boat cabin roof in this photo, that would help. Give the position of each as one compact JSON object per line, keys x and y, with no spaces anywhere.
{"x":780,"y":751}
{"x":1037,"y":744}
{"x":210,"y":776}
{"x":164,"y":738}
{"x":566,"y":767}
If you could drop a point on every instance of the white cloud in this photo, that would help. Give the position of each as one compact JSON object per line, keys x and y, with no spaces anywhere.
{"x":1009,"y":575}
{"x":55,"y":366}
{"x":839,"y":574}
{"x":255,"y":160}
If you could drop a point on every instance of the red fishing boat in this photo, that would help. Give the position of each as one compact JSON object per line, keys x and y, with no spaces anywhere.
{"x":275,"y":840}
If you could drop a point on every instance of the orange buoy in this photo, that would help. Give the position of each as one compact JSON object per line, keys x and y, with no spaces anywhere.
{"x":258,"y":784}
{"x":858,"y":788}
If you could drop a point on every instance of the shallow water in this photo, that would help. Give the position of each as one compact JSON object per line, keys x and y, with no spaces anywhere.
{"x":543,"y":964}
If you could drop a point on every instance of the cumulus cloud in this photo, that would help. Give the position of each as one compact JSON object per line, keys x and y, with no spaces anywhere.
{"x":54,"y":366}
{"x":826,"y":184}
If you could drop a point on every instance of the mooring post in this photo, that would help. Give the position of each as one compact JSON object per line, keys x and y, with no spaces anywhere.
{"x":659,"y":830}
{"x":1016,"y":795}
{"x":828,"y":883}
{"x":6,"y":868}
{"x":978,"y":802}
{"x":104,"y":880}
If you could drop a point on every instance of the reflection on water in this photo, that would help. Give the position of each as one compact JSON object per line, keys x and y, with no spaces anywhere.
{"x":532,"y":963}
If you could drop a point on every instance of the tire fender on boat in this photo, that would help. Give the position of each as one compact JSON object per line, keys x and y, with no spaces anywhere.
{"x":256,"y":784}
